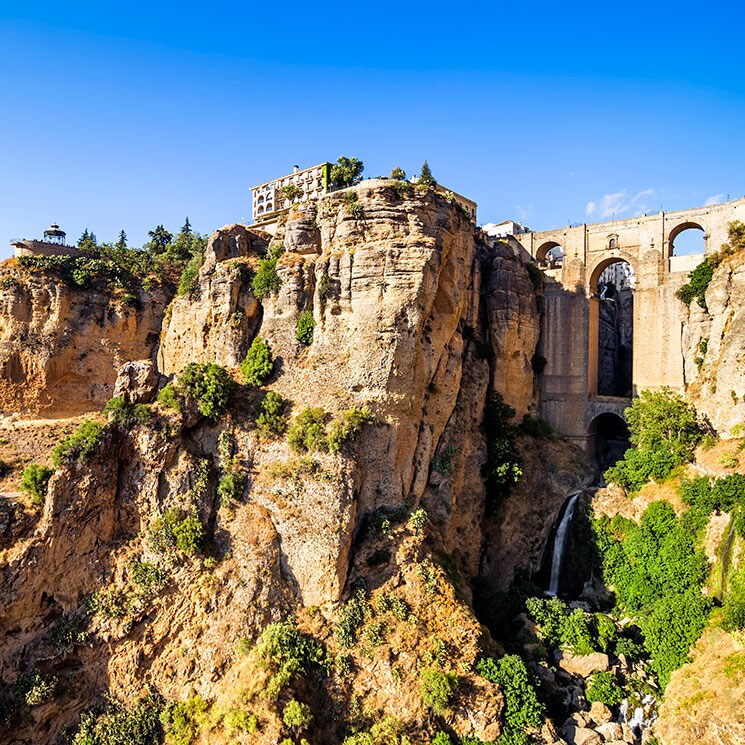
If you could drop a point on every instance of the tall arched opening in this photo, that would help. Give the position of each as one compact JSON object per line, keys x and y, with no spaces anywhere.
{"x":686,"y":239}
{"x":550,"y":255}
{"x":612,"y":329}
{"x":610,"y":437}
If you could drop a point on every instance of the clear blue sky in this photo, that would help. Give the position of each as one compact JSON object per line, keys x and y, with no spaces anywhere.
{"x":122,"y":115}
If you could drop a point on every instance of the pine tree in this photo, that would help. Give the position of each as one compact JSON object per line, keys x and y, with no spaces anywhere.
{"x":84,"y":238}
{"x":160,"y":240}
{"x":122,"y":242}
{"x":426,"y":177}
{"x":186,"y":229}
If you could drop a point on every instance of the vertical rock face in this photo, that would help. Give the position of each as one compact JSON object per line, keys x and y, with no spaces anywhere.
{"x":417,"y":318}
{"x":713,"y":343}
{"x":60,"y":348}
{"x":213,"y":322}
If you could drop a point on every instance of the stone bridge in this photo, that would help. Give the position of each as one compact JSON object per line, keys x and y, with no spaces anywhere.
{"x":573,"y":260}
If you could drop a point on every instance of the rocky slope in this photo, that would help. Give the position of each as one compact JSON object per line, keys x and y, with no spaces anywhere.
{"x":418,"y":319}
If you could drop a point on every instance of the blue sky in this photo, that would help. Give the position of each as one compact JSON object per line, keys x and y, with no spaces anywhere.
{"x":121,"y":116}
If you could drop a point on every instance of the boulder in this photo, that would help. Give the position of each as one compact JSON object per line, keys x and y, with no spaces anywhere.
{"x":600,"y":713}
{"x":302,"y":234}
{"x":583,"y":665}
{"x":137,"y":381}
{"x":610,"y":731}
{"x":582,"y":736}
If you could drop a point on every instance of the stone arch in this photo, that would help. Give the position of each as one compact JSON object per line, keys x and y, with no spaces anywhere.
{"x":546,"y":251}
{"x":601,"y":266}
{"x":682,"y":228}
{"x":609,"y":435}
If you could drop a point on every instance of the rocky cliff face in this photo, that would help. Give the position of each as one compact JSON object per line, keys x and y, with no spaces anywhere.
{"x":713,"y":342}
{"x":60,"y":348}
{"x":418,"y":319}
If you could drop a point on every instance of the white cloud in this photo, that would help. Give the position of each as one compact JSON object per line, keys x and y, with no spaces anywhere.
{"x":714,"y":199}
{"x":620,"y":203}
{"x":523,"y":213}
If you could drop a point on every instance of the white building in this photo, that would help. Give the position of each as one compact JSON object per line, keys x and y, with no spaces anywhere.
{"x":504,"y":228}
{"x":268,"y":199}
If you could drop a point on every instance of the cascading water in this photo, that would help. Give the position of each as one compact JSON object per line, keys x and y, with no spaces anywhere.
{"x":560,"y":542}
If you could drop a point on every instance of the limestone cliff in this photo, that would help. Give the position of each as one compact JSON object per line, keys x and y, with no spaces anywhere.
{"x":418,"y":319}
{"x":713,"y":342}
{"x":61,"y":347}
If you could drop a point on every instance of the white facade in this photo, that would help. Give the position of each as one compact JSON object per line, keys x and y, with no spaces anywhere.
{"x":504,"y":228}
{"x":267,"y":199}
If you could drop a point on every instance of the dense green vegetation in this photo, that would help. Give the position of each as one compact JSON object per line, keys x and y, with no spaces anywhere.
{"x":209,"y":385}
{"x":700,"y":278}
{"x":176,"y":530}
{"x":346,"y":172}
{"x":657,"y":572}
{"x":127,"y":415}
{"x":664,"y":432}
{"x":138,"y":724}
{"x":271,"y":420}
{"x":437,"y":689}
{"x":522,"y":709}
{"x":266,"y":280}
{"x":34,"y":482}
{"x":287,"y":653}
{"x":305,"y":326}
{"x":604,"y":687}
{"x":114,"y":266}
{"x":79,"y":446}
{"x":258,"y":365}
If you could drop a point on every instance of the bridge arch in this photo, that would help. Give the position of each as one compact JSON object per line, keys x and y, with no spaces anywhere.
{"x":601,"y":266}
{"x":678,"y":230}
{"x":549,"y":252}
{"x":609,"y":435}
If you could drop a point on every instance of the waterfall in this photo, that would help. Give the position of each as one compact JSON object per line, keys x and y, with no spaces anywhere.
{"x":560,"y":542}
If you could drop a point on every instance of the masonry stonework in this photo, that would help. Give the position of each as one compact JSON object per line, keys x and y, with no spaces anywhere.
{"x":569,"y":337}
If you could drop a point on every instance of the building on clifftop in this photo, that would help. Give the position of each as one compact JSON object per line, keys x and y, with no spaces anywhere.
{"x":273,"y":197}
{"x":52,"y":244}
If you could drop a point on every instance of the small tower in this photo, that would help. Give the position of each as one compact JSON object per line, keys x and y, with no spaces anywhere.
{"x":53,"y":234}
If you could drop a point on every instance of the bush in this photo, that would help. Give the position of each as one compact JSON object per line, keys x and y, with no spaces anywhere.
{"x":125,"y":414}
{"x":189,"y":535}
{"x":169,"y":398}
{"x":134,"y":725}
{"x":231,"y":485}
{"x":305,"y":326}
{"x":575,"y":631}
{"x":266,"y":280}
{"x":188,"y":279}
{"x":271,"y":420}
{"x":603,"y":687}
{"x":437,"y":690}
{"x":237,"y":721}
{"x":308,"y":430}
{"x":209,"y":385}
{"x":657,"y":573}
{"x":258,"y":365}
{"x":34,"y":482}
{"x":347,"y":427}
{"x":522,"y":710}
{"x":80,"y":446}
{"x":346,"y":172}
{"x":698,"y":283}
{"x":664,"y":432}
{"x":183,"y":721}
{"x":287,"y":653}
{"x":176,"y":530}
{"x":296,"y":714}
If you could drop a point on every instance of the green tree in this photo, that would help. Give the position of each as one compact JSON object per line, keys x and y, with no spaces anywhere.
{"x":296,"y":715}
{"x":87,"y":240}
{"x":160,"y":240}
{"x":34,"y":482}
{"x":437,"y":690}
{"x":399,"y":174}
{"x":522,"y":710}
{"x":346,"y":172}
{"x":425,"y":177}
{"x":305,"y":326}
{"x":258,"y":365}
{"x":209,"y":385}
{"x":271,"y":420}
{"x":122,"y":242}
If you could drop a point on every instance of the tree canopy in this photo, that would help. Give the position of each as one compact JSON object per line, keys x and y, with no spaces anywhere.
{"x":346,"y":172}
